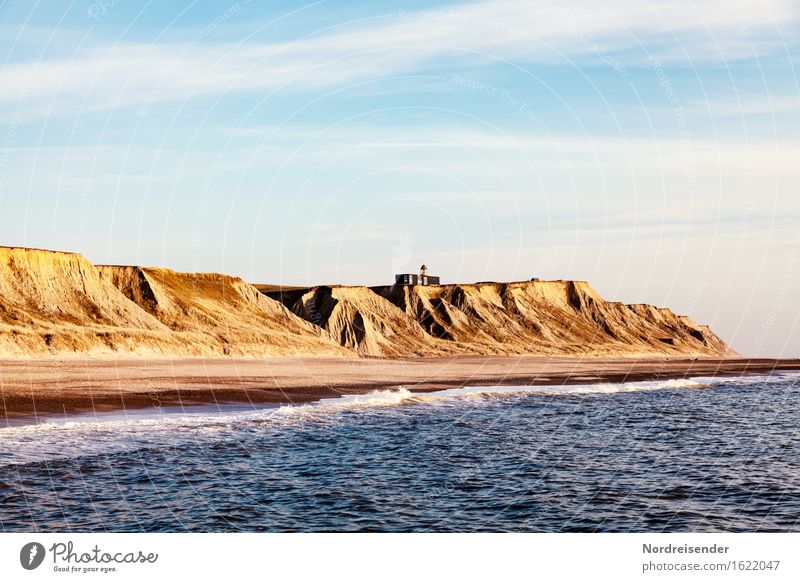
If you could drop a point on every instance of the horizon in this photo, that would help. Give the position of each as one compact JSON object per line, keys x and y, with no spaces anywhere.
{"x":650,"y":153}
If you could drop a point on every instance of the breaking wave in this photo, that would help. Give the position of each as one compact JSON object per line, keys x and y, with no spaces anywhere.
{"x":107,"y":433}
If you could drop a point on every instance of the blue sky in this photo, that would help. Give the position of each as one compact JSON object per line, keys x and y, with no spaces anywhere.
{"x":651,"y":148}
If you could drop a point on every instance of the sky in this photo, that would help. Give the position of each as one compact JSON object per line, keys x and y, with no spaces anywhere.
{"x":651,"y":148}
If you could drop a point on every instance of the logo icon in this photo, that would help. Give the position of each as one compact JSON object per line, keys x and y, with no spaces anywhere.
{"x":31,"y":555}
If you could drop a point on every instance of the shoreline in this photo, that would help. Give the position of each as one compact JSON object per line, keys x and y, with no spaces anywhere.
{"x":42,"y":387}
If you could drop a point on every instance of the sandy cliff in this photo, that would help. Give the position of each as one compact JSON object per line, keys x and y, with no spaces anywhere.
{"x":223,"y":312}
{"x":363,"y":321}
{"x":56,"y":303}
{"x":531,"y":317}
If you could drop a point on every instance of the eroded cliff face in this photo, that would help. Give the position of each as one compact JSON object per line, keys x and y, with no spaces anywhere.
{"x":53,"y":302}
{"x":220,"y":311}
{"x":531,"y":317}
{"x":363,"y":321}
{"x":57,"y":303}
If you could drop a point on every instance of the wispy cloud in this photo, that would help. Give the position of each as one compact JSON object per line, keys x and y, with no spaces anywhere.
{"x":679,"y":31}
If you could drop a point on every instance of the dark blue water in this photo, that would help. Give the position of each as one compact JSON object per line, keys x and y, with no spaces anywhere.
{"x":708,"y":455}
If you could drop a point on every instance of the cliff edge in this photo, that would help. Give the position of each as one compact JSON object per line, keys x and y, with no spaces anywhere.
{"x":529,"y":317}
{"x":59,"y":303}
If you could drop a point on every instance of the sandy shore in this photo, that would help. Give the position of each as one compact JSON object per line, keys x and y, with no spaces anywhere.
{"x":44,"y":386}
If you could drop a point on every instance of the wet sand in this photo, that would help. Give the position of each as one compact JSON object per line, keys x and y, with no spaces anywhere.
{"x":47,"y":386}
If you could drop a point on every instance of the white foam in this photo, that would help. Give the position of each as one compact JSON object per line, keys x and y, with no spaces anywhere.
{"x":375,"y":398}
{"x":571,"y":388}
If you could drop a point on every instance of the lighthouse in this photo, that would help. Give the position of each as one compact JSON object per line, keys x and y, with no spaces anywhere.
{"x":411,"y":279}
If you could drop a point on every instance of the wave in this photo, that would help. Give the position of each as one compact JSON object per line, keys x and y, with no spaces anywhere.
{"x":606,"y":388}
{"x":108,"y":433}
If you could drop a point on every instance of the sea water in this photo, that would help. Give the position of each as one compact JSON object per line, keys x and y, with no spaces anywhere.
{"x":705,"y":454}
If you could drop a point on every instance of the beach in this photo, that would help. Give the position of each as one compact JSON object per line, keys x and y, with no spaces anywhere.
{"x":57,"y":386}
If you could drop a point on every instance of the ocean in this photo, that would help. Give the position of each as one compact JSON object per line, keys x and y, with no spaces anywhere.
{"x":699,"y":455}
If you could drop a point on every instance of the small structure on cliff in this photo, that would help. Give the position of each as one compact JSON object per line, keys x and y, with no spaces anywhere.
{"x":411,"y":279}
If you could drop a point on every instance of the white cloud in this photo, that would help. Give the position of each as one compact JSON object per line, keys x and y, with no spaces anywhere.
{"x":689,"y":32}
